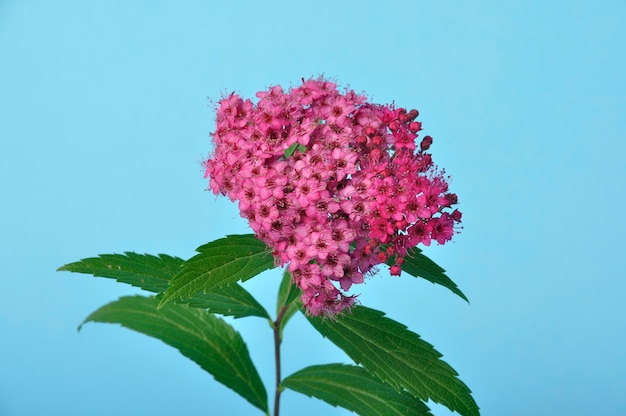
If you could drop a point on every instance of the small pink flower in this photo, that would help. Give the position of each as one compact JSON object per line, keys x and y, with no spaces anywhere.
{"x":321,"y":244}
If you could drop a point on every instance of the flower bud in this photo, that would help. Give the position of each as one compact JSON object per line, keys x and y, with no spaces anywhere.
{"x":426,"y":142}
{"x":415,"y":126}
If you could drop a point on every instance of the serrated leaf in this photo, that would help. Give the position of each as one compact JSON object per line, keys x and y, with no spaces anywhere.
{"x":218,"y":264}
{"x":153,"y":273}
{"x":200,"y":336}
{"x":232,"y":300}
{"x":418,"y":265}
{"x":397,"y":356}
{"x":355,"y":389}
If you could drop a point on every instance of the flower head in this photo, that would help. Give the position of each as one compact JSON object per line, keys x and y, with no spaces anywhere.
{"x":332,"y":183}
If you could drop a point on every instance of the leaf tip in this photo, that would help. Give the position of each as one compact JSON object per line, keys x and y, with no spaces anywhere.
{"x":164,"y":301}
{"x":462,"y":295}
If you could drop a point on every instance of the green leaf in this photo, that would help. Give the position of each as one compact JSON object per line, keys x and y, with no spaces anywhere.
{"x":231,"y":300}
{"x":289,"y":313}
{"x":220,"y":263}
{"x":153,"y":273}
{"x":397,"y":356}
{"x":355,"y":389}
{"x":288,"y":292}
{"x":204,"y":338}
{"x":292,"y":149}
{"x":418,"y":265}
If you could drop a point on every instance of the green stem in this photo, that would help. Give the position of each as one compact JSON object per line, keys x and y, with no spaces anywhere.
{"x":277,"y":342}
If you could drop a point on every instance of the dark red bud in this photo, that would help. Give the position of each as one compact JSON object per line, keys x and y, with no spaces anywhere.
{"x":426,"y":142}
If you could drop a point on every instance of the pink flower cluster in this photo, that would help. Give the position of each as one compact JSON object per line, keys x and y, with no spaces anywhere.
{"x":334,"y":184}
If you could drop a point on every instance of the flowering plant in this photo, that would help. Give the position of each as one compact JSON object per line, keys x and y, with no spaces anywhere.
{"x":332,"y":186}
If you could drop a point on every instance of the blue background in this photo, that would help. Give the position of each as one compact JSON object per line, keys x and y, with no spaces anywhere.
{"x":104,"y":120}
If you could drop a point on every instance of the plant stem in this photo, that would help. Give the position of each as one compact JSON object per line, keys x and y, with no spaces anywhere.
{"x":277,"y":342}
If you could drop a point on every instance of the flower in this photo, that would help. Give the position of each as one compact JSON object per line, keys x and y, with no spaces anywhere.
{"x":335,"y":185}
